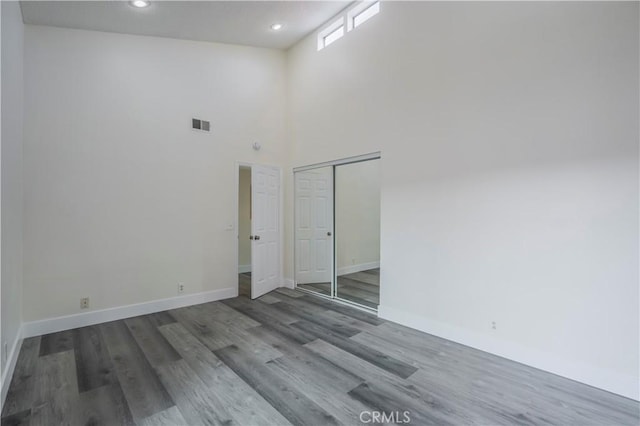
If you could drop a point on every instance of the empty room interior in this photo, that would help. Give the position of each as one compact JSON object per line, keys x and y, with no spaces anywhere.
{"x":319,"y":213}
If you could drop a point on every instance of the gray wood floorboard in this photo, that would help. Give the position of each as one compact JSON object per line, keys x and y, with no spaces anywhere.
{"x":169,"y":417}
{"x":289,"y":292}
{"x":22,"y":418}
{"x":261,"y":312}
{"x":205,"y":329}
{"x":458,"y":378}
{"x":105,"y":406}
{"x":257,"y":312}
{"x":244,"y":285}
{"x":243,"y":403}
{"x":393,"y":385}
{"x":140,"y":384}
{"x":355,"y":365}
{"x":480,"y":380}
{"x":315,"y":386}
{"x":367,"y":353}
{"x":56,"y":342}
{"x":221,"y":313}
{"x":193,"y":351}
{"x":396,"y":405}
{"x":268,"y":298}
{"x":336,"y":325}
{"x":56,"y":399}
{"x":287,"y":358}
{"x":284,"y":397}
{"x":197,"y":404}
{"x":23,"y":383}
{"x":155,"y":347}
{"x":214,"y":325}
{"x":93,"y":363}
{"x":256,"y":347}
{"x":160,"y":318}
{"x":305,"y":359}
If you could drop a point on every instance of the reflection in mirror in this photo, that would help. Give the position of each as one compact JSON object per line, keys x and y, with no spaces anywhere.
{"x":314,"y":229}
{"x":357,"y":221}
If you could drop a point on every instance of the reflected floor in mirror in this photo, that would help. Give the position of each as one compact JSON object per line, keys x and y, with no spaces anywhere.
{"x":359,"y":287}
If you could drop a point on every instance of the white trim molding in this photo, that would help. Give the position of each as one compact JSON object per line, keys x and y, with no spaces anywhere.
{"x":288,"y":283}
{"x":611,"y":381}
{"x":52,"y":325}
{"x":10,"y":366}
{"x":358,"y":268}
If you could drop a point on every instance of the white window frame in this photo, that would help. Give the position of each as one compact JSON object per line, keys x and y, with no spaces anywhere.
{"x":359,"y":9}
{"x":330,"y":30}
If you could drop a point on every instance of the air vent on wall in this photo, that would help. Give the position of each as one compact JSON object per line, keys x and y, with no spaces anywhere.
{"x":202,"y":125}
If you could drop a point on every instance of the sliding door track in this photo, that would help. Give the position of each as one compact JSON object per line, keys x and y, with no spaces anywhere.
{"x":339,"y":300}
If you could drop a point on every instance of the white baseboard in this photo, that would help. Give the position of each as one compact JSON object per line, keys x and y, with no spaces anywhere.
{"x":242,"y":269}
{"x":289,"y":283}
{"x":351,"y":269}
{"x":10,"y":366}
{"x":617,"y":383}
{"x":52,"y":325}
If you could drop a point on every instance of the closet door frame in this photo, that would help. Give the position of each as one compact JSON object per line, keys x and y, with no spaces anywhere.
{"x":334,"y":279}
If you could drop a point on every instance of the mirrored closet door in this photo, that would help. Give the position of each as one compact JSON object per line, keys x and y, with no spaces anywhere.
{"x":337,"y":230}
{"x":357,"y":223}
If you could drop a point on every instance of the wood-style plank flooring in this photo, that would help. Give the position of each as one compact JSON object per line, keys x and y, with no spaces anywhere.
{"x":244,"y":284}
{"x":361,"y":287}
{"x":286,"y":358}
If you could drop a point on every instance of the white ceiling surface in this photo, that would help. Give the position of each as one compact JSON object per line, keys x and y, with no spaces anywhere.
{"x":237,"y":22}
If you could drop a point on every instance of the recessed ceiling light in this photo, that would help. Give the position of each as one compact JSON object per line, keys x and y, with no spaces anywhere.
{"x":140,"y":3}
{"x":276,"y":26}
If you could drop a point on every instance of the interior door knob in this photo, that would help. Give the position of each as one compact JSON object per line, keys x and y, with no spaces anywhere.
{"x":257,"y":237}
{"x":251,"y":237}
{"x":328,"y":234}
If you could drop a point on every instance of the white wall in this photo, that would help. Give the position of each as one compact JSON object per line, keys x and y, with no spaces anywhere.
{"x":357,"y":216}
{"x":509,"y":140}
{"x":12,"y":140}
{"x":244,"y":219}
{"x":122,"y":199}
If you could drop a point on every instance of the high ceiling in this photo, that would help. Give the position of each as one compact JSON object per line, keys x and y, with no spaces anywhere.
{"x":237,"y":22}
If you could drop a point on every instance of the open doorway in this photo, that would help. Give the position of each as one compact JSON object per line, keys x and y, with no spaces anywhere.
{"x":244,"y":231}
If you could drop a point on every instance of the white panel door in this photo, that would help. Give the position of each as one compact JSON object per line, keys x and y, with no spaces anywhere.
{"x":265,"y":230}
{"x":314,"y":225}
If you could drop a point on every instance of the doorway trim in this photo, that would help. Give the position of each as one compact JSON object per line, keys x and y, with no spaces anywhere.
{"x":236,"y":222}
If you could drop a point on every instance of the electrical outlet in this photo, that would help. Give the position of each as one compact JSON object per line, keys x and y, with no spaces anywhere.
{"x":84,"y":303}
{"x":493,"y":325}
{"x":180,"y":287}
